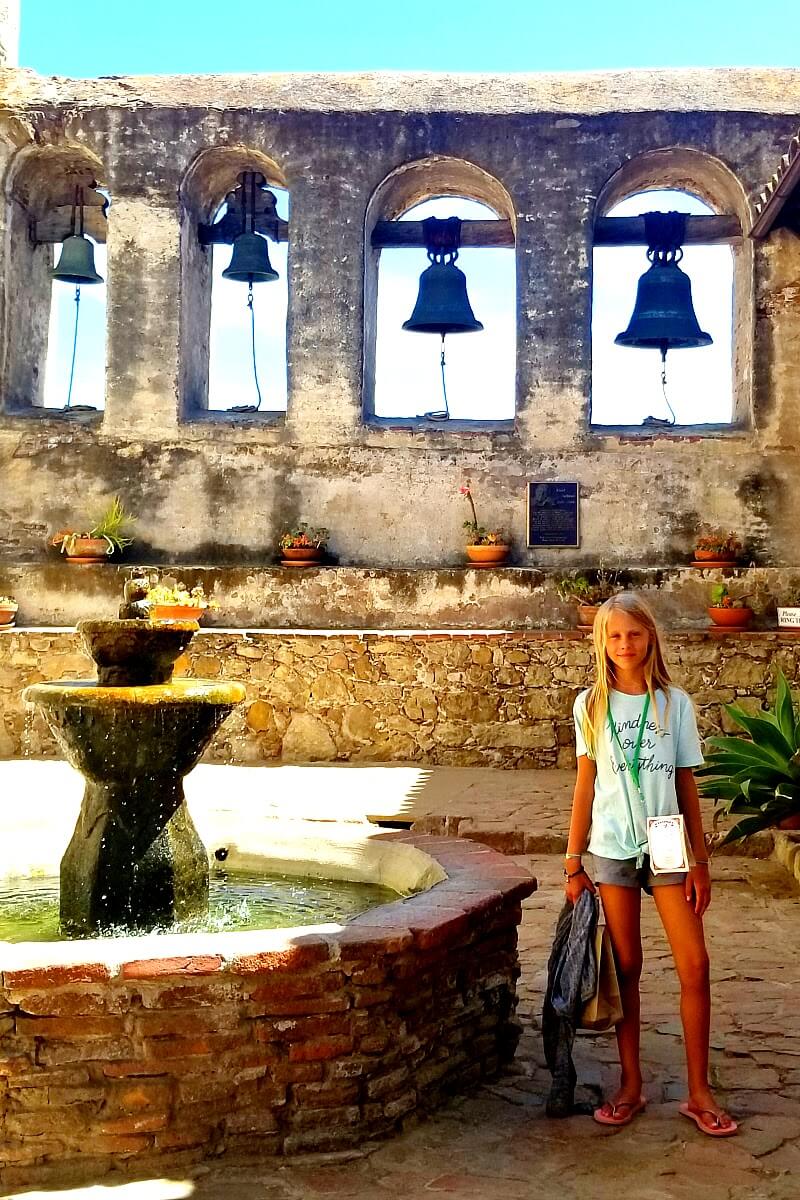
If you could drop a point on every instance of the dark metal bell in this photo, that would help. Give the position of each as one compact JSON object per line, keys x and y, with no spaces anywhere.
{"x":663,"y":316}
{"x":76,"y":264}
{"x":442,"y":303}
{"x":250,"y":260}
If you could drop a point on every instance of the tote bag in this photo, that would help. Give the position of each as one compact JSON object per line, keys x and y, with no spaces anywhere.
{"x":603,"y":1010}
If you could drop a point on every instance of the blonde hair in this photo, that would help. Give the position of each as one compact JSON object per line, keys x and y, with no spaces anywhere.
{"x":655,"y":668}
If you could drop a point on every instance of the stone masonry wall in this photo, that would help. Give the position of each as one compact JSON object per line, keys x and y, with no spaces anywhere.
{"x":445,"y":699}
{"x":220,"y":489}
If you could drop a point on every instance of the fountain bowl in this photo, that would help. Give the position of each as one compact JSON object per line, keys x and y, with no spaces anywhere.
{"x":134,"y":652}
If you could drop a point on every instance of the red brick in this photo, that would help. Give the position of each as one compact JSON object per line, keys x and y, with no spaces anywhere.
{"x":304,"y":953}
{"x":87,"y":1050}
{"x":15,"y":1064}
{"x":156,"y":968}
{"x":278,"y":984}
{"x":142,"y":1094}
{"x":177,"y":1047}
{"x":358,"y":942}
{"x":320,"y":1049}
{"x":375,"y":974}
{"x":56,"y":976}
{"x":68,"y":1028}
{"x":119,"y":1143}
{"x":365,"y":997}
{"x":300,"y":1007}
{"x":296,"y":1029}
{"x":143,"y":1122}
{"x":211,"y":992}
{"x":182,"y":1139}
{"x":252,"y":1120}
{"x":322,"y":1095}
{"x":69,"y":1004}
{"x":325,"y":1118}
{"x":180,"y":1022}
{"x":299,"y":1072}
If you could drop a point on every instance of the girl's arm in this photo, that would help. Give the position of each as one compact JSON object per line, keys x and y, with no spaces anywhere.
{"x":698,"y":880}
{"x":579,"y":824}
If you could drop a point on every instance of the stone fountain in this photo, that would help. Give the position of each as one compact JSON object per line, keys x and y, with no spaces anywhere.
{"x":135,"y":860}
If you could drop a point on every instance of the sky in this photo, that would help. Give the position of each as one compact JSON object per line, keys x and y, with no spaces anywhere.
{"x":113,"y":37}
{"x":151,"y":37}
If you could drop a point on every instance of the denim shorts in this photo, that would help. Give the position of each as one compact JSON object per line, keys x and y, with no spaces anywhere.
{"x":622,"y":872}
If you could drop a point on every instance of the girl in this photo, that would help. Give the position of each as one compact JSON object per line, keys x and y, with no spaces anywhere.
{"x":634,"y":728}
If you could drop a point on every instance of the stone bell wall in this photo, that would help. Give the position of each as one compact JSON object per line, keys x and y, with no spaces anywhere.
{"x":211,"y":489}
{"x":441,"y":699}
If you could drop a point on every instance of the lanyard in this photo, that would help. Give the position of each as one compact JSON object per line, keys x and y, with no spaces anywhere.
{"x":633,"y":764}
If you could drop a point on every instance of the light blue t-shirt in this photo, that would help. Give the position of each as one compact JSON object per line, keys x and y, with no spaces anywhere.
{"x":619,"y":828}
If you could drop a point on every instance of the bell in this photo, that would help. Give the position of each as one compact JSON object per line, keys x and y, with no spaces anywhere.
{"x":76,"y":264}
{"x":442,"y":303}
{"x":250,"y":260}
{"x":663,"y":316}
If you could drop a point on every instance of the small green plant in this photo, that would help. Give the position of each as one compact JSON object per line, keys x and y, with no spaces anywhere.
{"x":721,"y":597}
{"x":7,"y":602}
{"x":717,"y":541}
{"x":112,"y":526}
{"x":167,"y":593}
{"x":477,"y":534}
{"x":756,"y":778}
{"x":303,"y":537}
{"x":592,"y":587}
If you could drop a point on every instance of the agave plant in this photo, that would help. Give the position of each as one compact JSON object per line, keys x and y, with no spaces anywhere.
{"x":758,"y":779}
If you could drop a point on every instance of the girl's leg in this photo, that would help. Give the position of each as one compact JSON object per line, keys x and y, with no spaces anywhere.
{"x":622,"y":907}
{"x":684,"y":929}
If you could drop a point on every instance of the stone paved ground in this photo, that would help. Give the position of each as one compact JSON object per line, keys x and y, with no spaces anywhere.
{"x":496,"y":1144}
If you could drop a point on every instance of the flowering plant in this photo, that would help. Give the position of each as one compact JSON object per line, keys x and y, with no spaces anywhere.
{"x":478,"y":535}
{"x":7,"y":602}
{"x":721,"y":597}
{"x":717,"y":541}
{"x":177,"y":593}
{"x":303,"y":537}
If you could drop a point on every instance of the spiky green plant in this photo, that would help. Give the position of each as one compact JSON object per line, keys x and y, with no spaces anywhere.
{"x":756,"y":778}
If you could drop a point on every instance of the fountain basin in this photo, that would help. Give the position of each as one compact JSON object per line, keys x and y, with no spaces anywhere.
{"x":273,"y":1042}
{"x":130,"y":653}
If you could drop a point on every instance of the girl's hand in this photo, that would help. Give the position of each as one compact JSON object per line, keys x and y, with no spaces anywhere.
{"x":577,"y":884}
{"x":698,"y":887}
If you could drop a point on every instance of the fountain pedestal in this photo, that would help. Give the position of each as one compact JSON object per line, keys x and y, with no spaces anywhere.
{"x":135,"y":859}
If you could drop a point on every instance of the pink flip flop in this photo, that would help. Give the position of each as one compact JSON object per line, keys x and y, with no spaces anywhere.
{"x":711,"y":1128}
{"x":617,"y":1116}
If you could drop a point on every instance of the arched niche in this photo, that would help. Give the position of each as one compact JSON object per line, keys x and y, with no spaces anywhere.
{"x":404,"y":188}
{"x":691,"y":171}
{"x":209,"y":179}
{"x":37,"y":186}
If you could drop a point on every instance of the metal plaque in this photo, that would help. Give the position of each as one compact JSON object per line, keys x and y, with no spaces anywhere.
{"x":553,"y":514}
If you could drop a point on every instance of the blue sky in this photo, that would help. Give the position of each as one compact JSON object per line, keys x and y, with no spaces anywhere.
{"x":113,"y":37}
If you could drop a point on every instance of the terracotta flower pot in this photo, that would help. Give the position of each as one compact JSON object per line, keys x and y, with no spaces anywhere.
{"x":715,"y":556}
{"x":731,"y":618}
{"x":487,"y":556}
{"x":176,"y":612}
{"x":8,"y":614}
{"x":298,"y":555}
{"x":587,"y":614}
{"x":86,"y":549}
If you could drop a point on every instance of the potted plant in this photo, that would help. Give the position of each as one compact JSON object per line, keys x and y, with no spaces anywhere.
{"x":8,"y":611}
{"x":716,"y":546}
{"x":106,"y":536}
{"x":590,"y":589}
{"x":176,"y":602}
{"x":729,"y":611}
{"x":302,"y":545}
{"x":485,"y":547}
{"x":756,"y":778}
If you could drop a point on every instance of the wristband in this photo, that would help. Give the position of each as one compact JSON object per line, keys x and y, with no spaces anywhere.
{"x":701,"y":862}
{"x":575,"y":874}
{"x":574,"y":855}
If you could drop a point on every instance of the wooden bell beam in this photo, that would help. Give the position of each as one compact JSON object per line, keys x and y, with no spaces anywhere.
{"x":608,"y":231}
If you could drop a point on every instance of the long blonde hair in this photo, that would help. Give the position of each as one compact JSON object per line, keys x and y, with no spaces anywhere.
{"x":655,"y":668}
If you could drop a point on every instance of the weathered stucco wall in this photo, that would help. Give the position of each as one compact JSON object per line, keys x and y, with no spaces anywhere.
{"x":220,"y":490}
{"x":442,"y":699}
